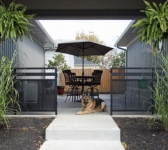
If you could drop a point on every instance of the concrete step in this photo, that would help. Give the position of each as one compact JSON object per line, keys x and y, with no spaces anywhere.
{"x":81,"y":145}
{"x":93,"y":127}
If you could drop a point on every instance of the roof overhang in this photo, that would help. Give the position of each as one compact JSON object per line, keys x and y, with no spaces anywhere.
{"x":128,"y":36}
{"x":40,"y":35}
{"x":85,"y":9}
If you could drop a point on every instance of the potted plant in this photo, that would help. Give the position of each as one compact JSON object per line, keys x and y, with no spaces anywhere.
{"x":58,"y":61}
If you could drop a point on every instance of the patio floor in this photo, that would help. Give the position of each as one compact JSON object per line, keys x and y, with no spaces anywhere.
{"x":62,"y":105}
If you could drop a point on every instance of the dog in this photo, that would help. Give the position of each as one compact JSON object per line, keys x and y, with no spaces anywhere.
{"x":91,"y":105}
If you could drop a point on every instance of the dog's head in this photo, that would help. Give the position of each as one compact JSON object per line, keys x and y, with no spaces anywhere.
{"x":86,"y":100}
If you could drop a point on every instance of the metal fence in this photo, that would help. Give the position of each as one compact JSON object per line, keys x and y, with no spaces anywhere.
{"x":135,"y":89}
{"x":37,"y":88}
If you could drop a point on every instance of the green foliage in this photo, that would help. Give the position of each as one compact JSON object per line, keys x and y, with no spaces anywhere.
{"x":160,"y":90}
{"x":91,"y":37}
{"x":124,"y":144}
{"x":106,"y":61}
{"x":14,"y":24}
{"x":8,"y":94}
{"x":59,"y":62}
{"x":154,"y":27}
{"x":119,"y":60}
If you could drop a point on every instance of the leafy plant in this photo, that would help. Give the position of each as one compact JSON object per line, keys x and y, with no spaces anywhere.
{"x":94,"y":38}
{"x":119,"y":60}
{"x":8,"y":94}
{"x":124,"y":144}
{"x":154,"y":27}
{"x":58,"y":62}
{"x":159,"y":89}
{"x":14,"y":24}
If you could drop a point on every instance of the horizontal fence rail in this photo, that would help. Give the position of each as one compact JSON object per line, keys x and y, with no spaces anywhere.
{"x":135,"y":89}
{"x":129,"y":88}
{"x":37,"y":91}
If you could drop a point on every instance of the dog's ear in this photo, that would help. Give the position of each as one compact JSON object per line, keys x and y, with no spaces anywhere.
{"x":83,"y":94}
{"x":88,"y":94}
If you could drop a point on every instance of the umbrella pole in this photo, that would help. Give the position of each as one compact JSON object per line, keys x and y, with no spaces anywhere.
{"x":82,"y":75}
{"x":83,"y":66}
{"x":83,"y":70}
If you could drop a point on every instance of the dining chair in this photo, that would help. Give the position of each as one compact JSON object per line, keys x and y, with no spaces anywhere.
{"x":73,"y":91}
{"x":96,"y":80}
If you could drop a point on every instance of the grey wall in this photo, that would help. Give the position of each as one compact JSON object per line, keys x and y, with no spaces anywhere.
{"x":7,"y":49}
{"x":138,"y":55}
{"x":30,"y":54}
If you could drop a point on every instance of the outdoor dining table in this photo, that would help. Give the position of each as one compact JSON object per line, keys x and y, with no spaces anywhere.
{"x":83,"y":79}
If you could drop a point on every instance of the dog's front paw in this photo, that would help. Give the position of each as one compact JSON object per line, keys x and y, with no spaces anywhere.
{"x":78,"y":113}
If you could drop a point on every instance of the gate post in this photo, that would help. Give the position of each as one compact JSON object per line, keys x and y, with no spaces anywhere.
{"x":56,"y":102}
{"x":111,"y":91}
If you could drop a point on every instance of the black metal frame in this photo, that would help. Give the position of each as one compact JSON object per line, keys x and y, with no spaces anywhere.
{"x":36,"y":92}
{"x":139,"y":97}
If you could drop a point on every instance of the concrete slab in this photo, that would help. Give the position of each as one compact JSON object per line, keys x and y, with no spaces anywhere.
{"x":81,"y":145}
{"x":92,"y":127}
{"x":68,"y":131}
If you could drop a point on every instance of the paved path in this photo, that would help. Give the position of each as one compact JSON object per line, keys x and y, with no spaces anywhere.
{"x":69,"y":131}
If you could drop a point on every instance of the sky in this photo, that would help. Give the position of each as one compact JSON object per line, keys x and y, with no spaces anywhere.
{"x":106,"y":30}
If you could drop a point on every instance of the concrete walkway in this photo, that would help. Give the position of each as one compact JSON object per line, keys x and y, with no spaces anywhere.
{"x":69,"y":131}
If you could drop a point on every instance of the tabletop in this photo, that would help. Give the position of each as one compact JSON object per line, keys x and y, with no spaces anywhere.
{"x":85,"y":77}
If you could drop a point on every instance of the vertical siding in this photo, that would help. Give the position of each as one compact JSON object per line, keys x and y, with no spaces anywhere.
{"x":7,"y":49}
{"x":139,"y":55}
{"x":30,"y":54}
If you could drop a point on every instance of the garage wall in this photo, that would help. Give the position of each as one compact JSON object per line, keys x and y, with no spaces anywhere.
{"x":31,"y":54}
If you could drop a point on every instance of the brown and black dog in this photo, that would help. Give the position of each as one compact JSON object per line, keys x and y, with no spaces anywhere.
{"x":91,"y":105}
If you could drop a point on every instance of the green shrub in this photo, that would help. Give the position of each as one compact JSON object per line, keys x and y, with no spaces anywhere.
{"x":14,"y":25}
{"x":160,"y":90}
{"x":153,"y":30}
{"x":8,"y":94}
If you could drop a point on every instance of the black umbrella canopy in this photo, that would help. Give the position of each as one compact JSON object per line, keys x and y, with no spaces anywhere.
{"x":82,"y":48}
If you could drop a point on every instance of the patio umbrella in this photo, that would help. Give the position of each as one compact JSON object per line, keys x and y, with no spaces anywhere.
{"x":82,"y":48}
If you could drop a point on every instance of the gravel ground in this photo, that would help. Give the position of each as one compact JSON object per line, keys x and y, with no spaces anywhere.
{"x":29,"y":134}
{"x":24,"y":134}
{"x":137,"y":134}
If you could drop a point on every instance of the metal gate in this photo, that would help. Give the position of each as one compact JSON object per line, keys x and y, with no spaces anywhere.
{"x":134,"y":92}
{"x":37,"y":88}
